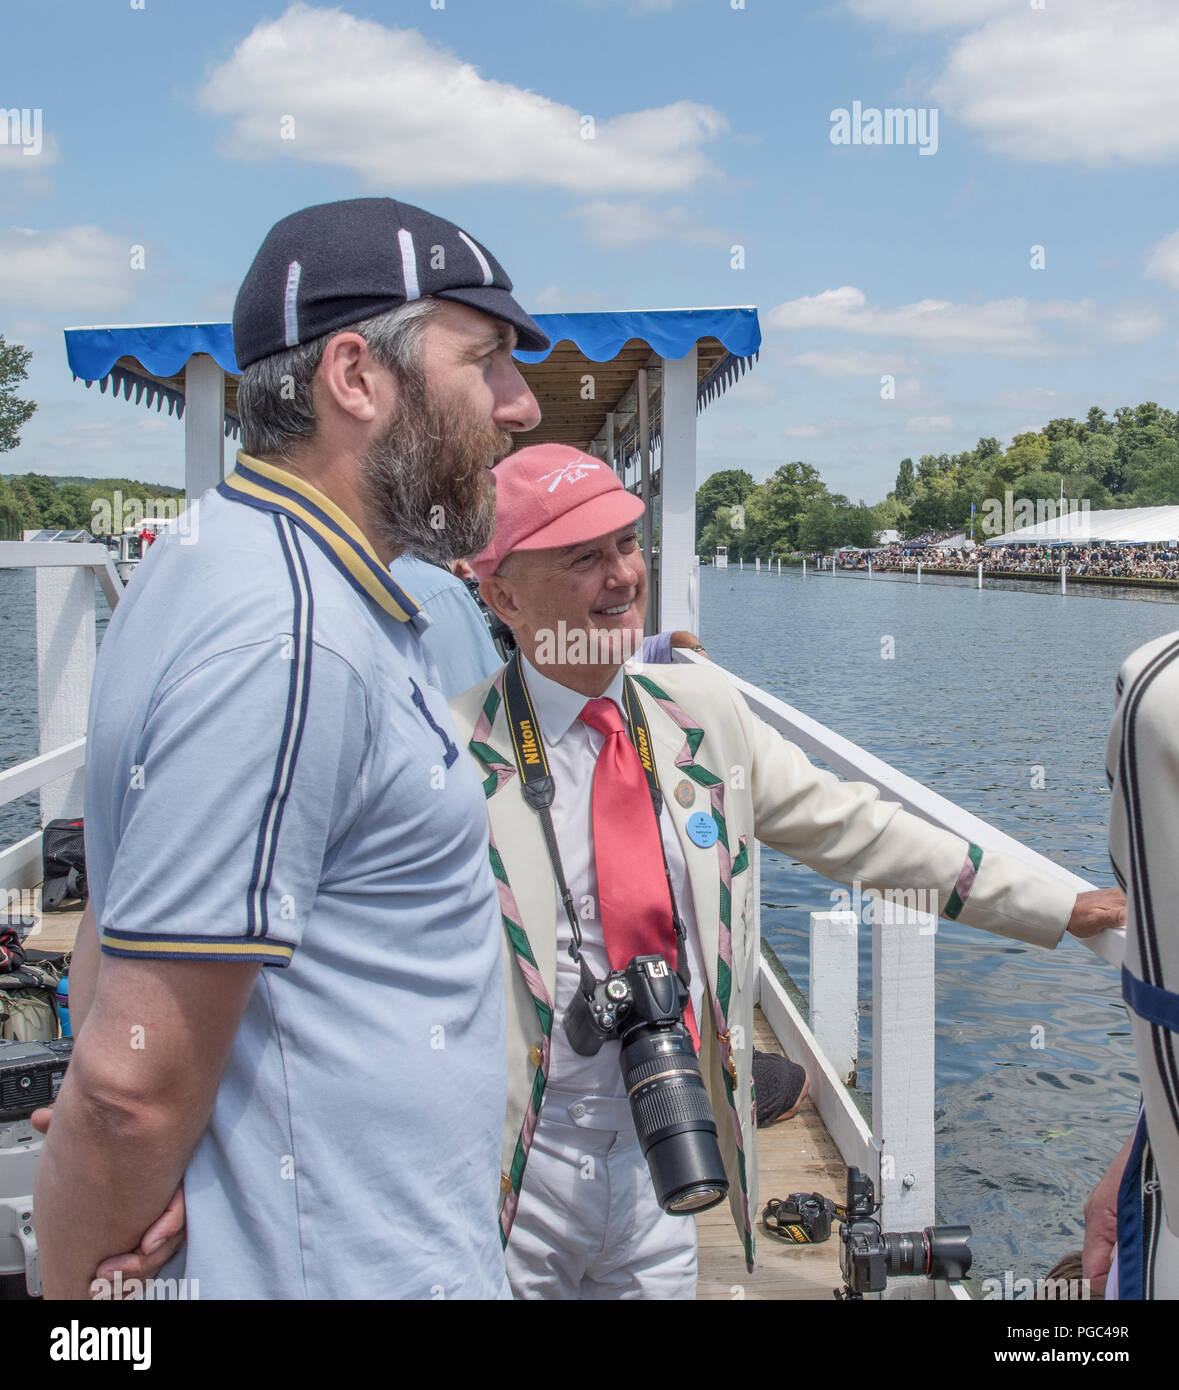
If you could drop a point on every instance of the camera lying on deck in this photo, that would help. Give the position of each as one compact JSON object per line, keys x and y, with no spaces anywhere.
{"x":30,"y":1075}
{"x":869,"y":1256}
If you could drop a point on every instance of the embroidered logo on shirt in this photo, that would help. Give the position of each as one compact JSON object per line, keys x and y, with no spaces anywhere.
{"x":685,"y":793}
{"x":420,"y":700}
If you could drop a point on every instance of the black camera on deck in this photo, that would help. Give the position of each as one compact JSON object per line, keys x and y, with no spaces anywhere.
{"x":869,"y":1256}
{"x":31,"y":1074}
{"x":643,"y":1008}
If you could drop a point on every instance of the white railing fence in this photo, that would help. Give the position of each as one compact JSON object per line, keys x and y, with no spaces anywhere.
{"x":897,"y":1148}
{"x":64,"y":597}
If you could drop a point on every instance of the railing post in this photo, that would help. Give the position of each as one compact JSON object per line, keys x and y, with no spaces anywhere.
{"x":903,"y":1071}
{"x":65,"y":669}
{"x":834,"y":992}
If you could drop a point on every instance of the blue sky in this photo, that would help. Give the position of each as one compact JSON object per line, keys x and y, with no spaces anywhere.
{"x":1058,"y":127}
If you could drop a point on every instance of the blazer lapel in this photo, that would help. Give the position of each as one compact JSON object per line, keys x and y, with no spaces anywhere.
{"x":675,"y":762}
{"x":518,"y":840}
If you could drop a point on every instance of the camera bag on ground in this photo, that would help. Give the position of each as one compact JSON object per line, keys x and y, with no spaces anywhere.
{"x":28,"y":1012}
{"x":63,"y":859}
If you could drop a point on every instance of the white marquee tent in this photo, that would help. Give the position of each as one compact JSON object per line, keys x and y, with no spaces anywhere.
{"x":1119,"y":526}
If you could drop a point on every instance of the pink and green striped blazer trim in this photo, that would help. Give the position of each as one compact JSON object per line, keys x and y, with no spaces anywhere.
{"x":501,"y":770}
{"x":727,"y":865}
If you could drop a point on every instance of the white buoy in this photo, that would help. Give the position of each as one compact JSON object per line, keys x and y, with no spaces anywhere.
{"x":779,"y":564}
{"x":1063,"y":580}
{"x":804,"y":566}
{"x":980,"y":574}
{"x":918,"y":571}
{"x":869,"y":567}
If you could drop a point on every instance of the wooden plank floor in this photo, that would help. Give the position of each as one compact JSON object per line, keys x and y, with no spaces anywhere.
{"x":794,"y":1156}
{"x":797,"y":1155}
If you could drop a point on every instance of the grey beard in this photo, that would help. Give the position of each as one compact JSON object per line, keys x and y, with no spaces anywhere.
{"x":428,"y":486}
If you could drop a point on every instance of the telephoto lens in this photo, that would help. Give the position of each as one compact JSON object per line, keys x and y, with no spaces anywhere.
{"x":668,"y":1100}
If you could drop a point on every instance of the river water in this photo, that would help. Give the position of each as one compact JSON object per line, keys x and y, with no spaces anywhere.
{"x":984,"y":688}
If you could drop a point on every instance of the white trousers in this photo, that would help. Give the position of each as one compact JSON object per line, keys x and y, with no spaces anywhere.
{"x":588,"y":1225}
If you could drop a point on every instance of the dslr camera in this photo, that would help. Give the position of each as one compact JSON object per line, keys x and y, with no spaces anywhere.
{"x":868,"y":1256}
{"x":642,"y":1007}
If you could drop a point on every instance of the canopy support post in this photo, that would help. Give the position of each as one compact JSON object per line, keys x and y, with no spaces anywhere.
{"x":204,"y":425}
{"x":677,"y":496}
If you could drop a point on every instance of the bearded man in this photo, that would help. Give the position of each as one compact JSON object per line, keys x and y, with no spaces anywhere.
{"x":273,"y":779}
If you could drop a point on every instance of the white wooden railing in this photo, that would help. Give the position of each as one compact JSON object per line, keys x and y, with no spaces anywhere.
{"x":896,"y":1147}
{"x":64,"y":596}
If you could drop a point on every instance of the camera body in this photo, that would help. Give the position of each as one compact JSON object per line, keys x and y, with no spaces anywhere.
{"x":31,"y":1074}
{"x":868,"y":1256}
{"x":643,"y":1008}
{"x":646,"y":993}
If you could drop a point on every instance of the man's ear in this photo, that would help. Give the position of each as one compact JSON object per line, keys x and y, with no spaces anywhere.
{"x":497,"y":593}
{"x":349,"y":377}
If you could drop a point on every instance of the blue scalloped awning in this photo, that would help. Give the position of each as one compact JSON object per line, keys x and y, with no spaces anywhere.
{"x":162,"y":350}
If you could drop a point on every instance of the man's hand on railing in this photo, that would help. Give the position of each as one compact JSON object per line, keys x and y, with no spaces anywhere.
{"x":160,"y":1241}
{"x":1097,"y":910}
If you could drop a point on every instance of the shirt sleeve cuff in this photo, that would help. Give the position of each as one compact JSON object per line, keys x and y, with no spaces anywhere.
{"x":263,"y":950}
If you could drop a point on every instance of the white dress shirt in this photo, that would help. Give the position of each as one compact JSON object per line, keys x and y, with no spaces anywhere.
{"x":572,"y":749}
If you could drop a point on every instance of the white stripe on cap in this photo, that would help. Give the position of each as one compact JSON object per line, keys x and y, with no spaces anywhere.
{"x":409,"y":265}
{"x":488,"y":278}
{"x":290,"y":304}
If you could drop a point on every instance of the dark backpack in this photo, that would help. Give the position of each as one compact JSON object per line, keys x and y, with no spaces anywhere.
{"x":63,"y":858}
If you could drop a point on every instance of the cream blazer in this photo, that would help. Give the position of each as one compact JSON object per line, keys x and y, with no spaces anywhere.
{"x":754,"y":783}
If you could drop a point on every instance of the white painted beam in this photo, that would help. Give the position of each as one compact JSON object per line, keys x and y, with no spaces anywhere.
{"x":28,"y":776}
{"x":204,"y":425}
{"x":677,"y":493}
{"x":65,"y":668}
{"x":834,"y":991}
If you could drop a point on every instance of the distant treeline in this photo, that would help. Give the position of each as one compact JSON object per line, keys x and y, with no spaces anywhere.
{"x":33,"y":501}
{"x":1127,"y":459}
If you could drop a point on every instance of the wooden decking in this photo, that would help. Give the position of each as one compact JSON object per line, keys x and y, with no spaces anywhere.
{"x":797,"y":1155}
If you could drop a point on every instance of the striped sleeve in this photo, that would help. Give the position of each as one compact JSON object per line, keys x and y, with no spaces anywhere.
{"x":247,"y":770}
{"x":1142,"y":759}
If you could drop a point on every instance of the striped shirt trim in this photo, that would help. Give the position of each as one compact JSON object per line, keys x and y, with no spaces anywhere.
{"x":143,"y":946}
{"x":261,"y":485}
{"x":294,"y":721}
{"x":961,"y":890}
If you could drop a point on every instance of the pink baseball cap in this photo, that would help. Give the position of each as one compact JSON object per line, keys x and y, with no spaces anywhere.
{"x":552,"y":495}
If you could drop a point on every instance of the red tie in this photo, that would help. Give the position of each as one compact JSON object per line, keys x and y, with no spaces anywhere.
{"x":633,"y":900}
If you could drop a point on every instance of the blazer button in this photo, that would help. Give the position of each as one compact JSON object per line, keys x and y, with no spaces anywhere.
{"x":505,"y":1183}
{"x":535,"y":1055}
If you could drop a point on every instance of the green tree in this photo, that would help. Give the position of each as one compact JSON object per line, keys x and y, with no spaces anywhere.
{"x":724,"y":489}
{"x":906,"y":484}
{"x":14,"y":411}
{"x":30,"y":514}
{"x":11,"y":517}
{"x":58,"y":517}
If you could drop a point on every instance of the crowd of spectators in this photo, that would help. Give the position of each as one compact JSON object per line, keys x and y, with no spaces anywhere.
{"x":1110,"y":561}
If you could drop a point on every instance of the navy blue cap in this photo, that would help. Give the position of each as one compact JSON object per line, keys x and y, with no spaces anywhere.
{"x":332,"y":265}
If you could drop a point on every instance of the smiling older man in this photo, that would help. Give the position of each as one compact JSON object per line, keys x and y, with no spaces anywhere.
{"x":564,"y":570}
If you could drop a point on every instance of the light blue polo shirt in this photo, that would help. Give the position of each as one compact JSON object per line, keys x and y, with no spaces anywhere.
{"x":273,"y":775}
{"x":459,"y":640}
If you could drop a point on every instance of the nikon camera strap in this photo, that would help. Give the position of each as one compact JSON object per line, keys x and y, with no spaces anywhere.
{"x":539,"y":789}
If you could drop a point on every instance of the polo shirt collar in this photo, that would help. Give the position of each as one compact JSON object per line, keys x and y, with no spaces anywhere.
{"x":557,"y":707}
{"x":272,"y":489}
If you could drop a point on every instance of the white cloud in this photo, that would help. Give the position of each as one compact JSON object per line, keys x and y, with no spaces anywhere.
{"x":14,"y":159}
{"x":930,"y":424}
{"x":932,"y":14}
{"x":1087,"y":82}
{"x":80,"y":270}
{"x":820,"y":430}
{"x":852,"y":363}
{"x":1013,"y":327}
{"x":401,"y":111}
{"x":626,"y":223}
{"x":1162,"y":260}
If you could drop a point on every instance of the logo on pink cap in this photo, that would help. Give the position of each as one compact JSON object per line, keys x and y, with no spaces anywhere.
{"x":534,"y":512}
